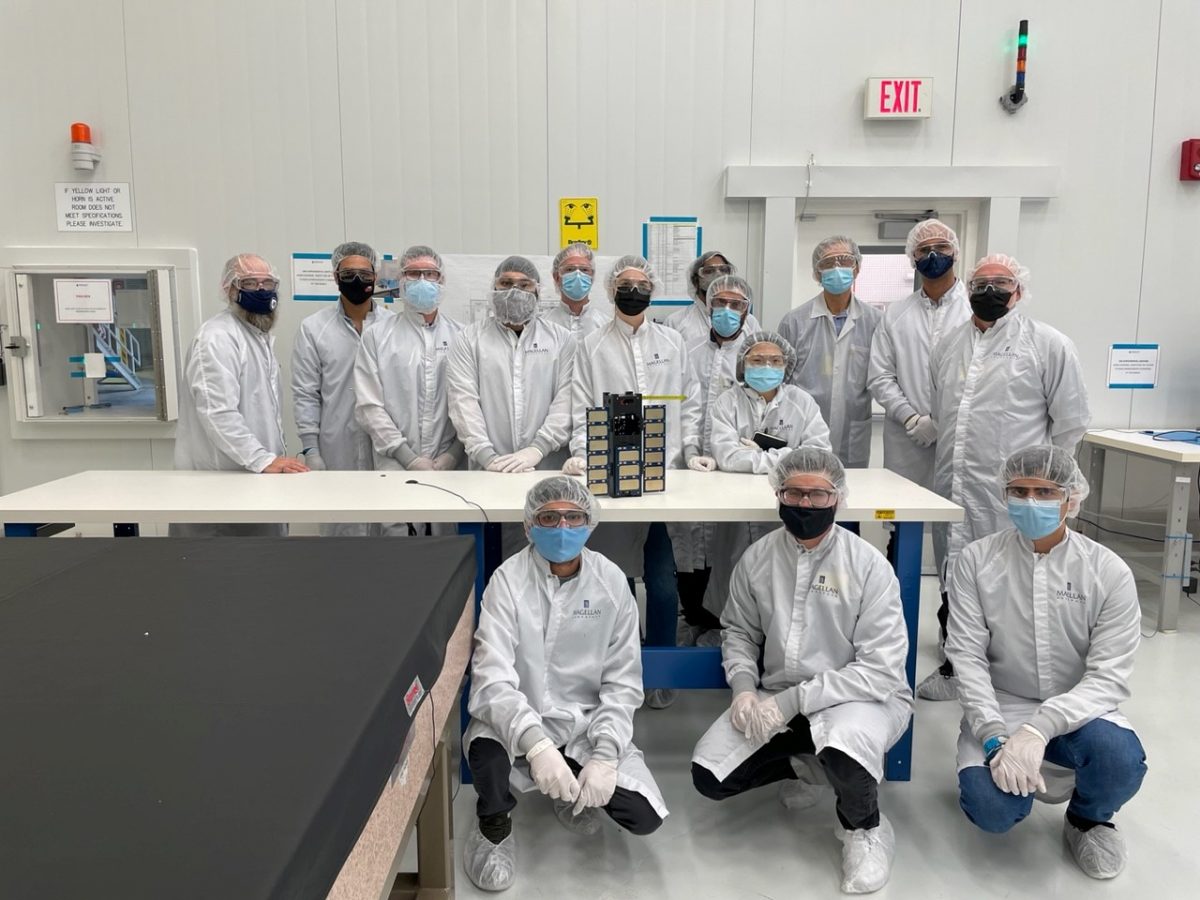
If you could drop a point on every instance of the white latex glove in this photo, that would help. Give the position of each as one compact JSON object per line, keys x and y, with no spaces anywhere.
{"x":741,"y":709}
{"x":313,"y":460}
{"x":766,"y":721}
{"x":702,"y":464}
{"x":422,"y":464}
{"x":550,"y":772}
{"x":576,"y":465}
{"x":748,"y":444}
{"x":597,"y":782}
{"x":497,"y":464}
{"x":922,"y":430}
{"x":1017,"y":768}
{"x":524,"y":460}
{"x":444,"y":462}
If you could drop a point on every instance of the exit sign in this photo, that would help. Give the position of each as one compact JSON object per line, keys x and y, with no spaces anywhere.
{"x":899,"y":98}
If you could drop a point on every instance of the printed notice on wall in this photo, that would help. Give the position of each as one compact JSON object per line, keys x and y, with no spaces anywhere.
{"x":670,"y":243}
{"x":312,"y":277}
{"x":93,"y":206}
{"x":88,"y":301}
{"x":1133,"y":366}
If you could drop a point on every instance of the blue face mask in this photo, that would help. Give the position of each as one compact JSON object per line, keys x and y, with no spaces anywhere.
{"x":837,"y":281}
{"x":1035,"y":518}
{"x":260,"y":301}
{"x":559,"y":545}
{"x":422,"y":295}
{"x":763,"y":378}
{"x":576,"y":285}
{"x":935,"y":265}
{"x":726,"y":322}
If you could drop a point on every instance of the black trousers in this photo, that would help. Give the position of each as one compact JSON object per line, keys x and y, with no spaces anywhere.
{"x":855,"y":787}
{"x":692,"y":586}
{"x":943,"y":616}
{"x":490,"y":769}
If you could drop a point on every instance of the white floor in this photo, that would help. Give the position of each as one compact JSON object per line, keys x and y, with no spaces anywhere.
{"x":751,"y":847}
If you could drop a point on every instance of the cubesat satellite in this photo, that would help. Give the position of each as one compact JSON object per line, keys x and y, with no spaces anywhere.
{"x":626,"y":447}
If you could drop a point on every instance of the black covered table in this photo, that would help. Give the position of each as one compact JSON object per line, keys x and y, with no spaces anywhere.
{"x":210,"y":718}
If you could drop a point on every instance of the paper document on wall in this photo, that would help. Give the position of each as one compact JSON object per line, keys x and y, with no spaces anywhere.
{"x":670,"y":243}
{"x":312,"y":277}
{"x":1133,"y":366}
{"x":86,"y":301}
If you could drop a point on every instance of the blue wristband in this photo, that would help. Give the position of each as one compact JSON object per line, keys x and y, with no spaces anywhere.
{"x":992,"y":746}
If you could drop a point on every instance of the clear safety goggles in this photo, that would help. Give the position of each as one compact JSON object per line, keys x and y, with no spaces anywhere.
{"x":256,"y":283}
{"x":550,"y":518}
{"x":737,"y":304}
{"x":427,"y":274}
{"x":1017,"y":492}
{"x":505,"y":282}
{"x":840,"y":261}
{"x":642,"y":287}
{"x":818,"y":498}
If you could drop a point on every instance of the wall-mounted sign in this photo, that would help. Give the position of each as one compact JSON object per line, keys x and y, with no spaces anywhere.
{"x":898,"y":98}
{"x":579,"y":221}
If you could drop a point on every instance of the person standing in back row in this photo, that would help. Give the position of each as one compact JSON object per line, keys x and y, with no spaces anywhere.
{"x":832,"y":334}
{"x":1001,"y":381}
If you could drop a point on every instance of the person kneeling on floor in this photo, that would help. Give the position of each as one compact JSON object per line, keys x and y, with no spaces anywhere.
{"x":821,"y":608}
{"x":555,"y":679}
{"x":1044,"y":624}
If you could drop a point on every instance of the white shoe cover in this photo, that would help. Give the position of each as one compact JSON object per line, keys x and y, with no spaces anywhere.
{"x":1099,"y":851}
{"x":937,"y":686}
{"x":809,"y":786}
{"x":867,"y":857}
{"x":586,"y":823}
{"x":661,"y":698}
{"x":491,"y":867}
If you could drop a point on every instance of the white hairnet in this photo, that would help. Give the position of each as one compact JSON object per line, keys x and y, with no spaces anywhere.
{"x":239,"y":266}
{"x":576,"y":249}
{"x":519,"y":264}
{"x":929,"y":230}
{"x":693,"y":274}
{"x":822,"y":249}
{"x":630,"y":261}
{"x":559,"y":487}
{"x":1052,"y":464}
{"x":766,"y":337}
{"x":811,"y":461}
{"x":416,"y":252}
{"x":1018,"y":271}
{"x":734,"y":283}
{"x":354,"y":248}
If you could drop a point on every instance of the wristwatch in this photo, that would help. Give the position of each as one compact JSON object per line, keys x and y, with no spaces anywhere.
{"x":992,"y":746}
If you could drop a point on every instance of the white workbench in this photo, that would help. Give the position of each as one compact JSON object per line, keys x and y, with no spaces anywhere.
{"x":1180,"y":457}
{"x":235,"y":497}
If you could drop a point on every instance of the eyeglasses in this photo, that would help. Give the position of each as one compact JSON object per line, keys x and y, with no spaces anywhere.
{"x":549,"y":518}
{"x":360,"y":275}
{"x":576,"y":267}
{"x":716,"y":270}
{"x":427,"y":274}
{"x":521,"y":284}
{"x":818,"y":498}
{"x":1016,"y":492}
{"x":775,"y":362}
{"x":836,"y":262}
{"x":1000,"y":283}
{"x":943,"y":248}
{"x":736,"y":305}
{"x":642,"y":287}
{"x":251,"y":283}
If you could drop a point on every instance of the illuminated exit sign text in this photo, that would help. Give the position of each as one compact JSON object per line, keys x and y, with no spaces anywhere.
{"x":899,"y":98}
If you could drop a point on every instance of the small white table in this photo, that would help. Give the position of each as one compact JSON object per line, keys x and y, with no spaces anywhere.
{"x":478,"y":502}
{"x":1180,"y":457}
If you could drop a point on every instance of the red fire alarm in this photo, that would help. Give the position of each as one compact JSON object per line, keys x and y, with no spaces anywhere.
{"x":1189,"y":160}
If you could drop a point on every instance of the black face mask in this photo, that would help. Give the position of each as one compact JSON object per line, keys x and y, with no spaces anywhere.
{"x":632,"y":303}
{"x":990,"y":304}
{"x":357,"y":292}
{"x":805,"y":522}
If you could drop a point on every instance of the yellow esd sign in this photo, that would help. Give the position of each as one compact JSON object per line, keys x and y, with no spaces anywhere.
{"x":579,"y":221}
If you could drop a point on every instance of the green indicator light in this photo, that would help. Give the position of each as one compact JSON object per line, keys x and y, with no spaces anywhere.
{"x":1023,"y":40}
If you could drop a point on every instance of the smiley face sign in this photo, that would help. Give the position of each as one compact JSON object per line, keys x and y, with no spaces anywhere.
{"x":579,"y":221}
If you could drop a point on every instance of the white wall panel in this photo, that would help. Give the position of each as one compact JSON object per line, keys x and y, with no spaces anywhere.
{"x":443,"y":119}
{"x":811,"y":64}
{"x":648,"y":102}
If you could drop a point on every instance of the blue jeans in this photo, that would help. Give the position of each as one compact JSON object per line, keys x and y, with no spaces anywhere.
{"x":1109,"y":765}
